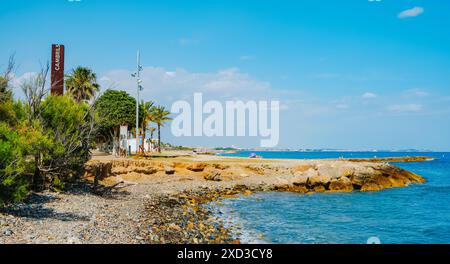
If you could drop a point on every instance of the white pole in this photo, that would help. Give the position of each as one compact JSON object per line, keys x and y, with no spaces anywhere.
{"x":137,"y":100}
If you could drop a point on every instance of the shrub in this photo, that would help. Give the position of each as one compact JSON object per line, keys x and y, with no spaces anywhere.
{"x":66,"y":140}
{"x":13,"y":166}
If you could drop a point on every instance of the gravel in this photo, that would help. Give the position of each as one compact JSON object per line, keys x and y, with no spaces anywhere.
{"x":136,"y":214}
{"x":75,"y":217}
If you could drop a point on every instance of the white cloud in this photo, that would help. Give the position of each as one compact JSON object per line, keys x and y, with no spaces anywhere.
{"x":369,"y":95}
{"x":166,"y":86}
{"x":171,"y":74}
{"x":16,"y":81}
{"x":405,"y":108}
{"x":413,"y":12}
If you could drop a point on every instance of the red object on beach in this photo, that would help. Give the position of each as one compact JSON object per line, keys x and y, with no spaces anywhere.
{"x":57,"y":70}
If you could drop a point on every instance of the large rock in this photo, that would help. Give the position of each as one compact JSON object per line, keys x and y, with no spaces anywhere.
{"x":319,"y":179}
{"x":169,"y":170}
{"x":213,"y":176}
{"x":298,"y":189}
{"x":370,"y":186}
{"x":145,"y":170}
{"x":389,"y":176}
{"x":328,"y":171}
{"x":100,"y":170}
{"x":120,"y":170}
{"x":302,"y":178}
{"x":345,"y":171}
{"x":342,"y":184}
{"x":197,"y":167}
{"x":361,"y":174}
{"x":319,"y":189}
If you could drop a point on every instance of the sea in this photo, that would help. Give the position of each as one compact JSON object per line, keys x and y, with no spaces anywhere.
{"x":417,"y":214}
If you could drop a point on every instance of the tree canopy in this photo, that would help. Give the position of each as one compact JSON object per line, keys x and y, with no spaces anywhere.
{"x":81,"y":84}
{"x":115,"y":108}
{"x":5,"y":92}
{"x":160,"y":115}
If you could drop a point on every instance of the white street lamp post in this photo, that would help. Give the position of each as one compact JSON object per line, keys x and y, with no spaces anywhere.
{"x":139,"y":87}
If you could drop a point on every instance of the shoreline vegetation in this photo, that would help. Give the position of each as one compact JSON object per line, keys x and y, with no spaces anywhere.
{"x":162,"y":200}
{"x":47,"y":137}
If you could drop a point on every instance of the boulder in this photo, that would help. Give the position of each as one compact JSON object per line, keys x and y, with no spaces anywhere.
{"x":298,"y":189}
{"x":301,"y":178}
{"x":169,"y":170}
{"x":342,"y":184}
{"x":345,"y":171}
{"x":319,"y":188}
{"x":145,"y":170}
{"x":119,"y":170}
{"x":371,"y":186}
{"x":197,"y":167}
{"x":319,"y":179}
{"x":361,"y":174}
{"x":328,"y":171}
{"x":213,"y":176}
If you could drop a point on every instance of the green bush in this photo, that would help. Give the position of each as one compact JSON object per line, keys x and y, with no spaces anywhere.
{"x":44,"y":140}
{"x":13,"y":166}
{"x":44,"y":152}
{"x":68,"y":129}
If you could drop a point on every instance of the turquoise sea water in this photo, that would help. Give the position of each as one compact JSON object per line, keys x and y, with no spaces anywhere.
{"x":415,"y":214}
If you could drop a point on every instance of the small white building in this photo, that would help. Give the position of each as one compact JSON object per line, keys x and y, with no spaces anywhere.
{"x":131,"y":145}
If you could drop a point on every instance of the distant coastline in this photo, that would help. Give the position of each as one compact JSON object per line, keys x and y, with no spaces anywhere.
{"x":332,"y":150}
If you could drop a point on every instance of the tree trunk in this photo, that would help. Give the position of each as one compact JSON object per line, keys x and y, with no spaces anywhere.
{"x":115,"y":142}
{"x":36,"y":181}
{"x":151,"y":147}
{"x":159,"y":138}
{"x":144,"y":130}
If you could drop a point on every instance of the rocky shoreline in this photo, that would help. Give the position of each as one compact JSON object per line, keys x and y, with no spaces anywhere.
{"x":162,"y":201}
{"x":183,"y":219}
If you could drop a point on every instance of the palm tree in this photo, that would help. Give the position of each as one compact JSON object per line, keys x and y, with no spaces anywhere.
{"x":82,"y":84}
{"x":160,"y":116}
{"x":152,"y":131}
{"x":146,"y":110}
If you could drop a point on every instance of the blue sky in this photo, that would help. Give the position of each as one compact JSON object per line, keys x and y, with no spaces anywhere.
{"x":351,"y":74}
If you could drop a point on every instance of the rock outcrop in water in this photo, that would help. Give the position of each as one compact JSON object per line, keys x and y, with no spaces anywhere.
{"x":284,"y":175}
{"x":392,"y":159}
{"x":347,"y":177}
